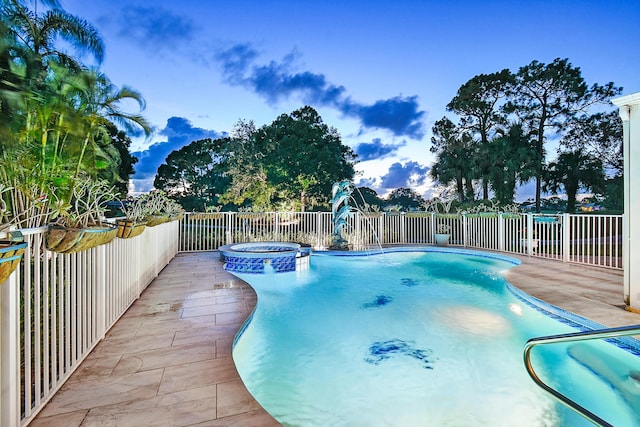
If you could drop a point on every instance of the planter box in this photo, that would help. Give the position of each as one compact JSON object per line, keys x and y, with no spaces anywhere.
{"x":10,"y":257}
{"x":153,"y":220}
{"x":68,"y":240}
{"x":202,"y":216}
{"x":419,"y":214}
{"x":128,"y":229}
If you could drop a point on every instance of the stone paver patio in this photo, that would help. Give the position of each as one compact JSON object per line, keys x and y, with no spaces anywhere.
{"x":167,"y":361}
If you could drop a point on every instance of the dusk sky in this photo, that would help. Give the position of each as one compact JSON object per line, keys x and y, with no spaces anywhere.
{"x":381,"y":72}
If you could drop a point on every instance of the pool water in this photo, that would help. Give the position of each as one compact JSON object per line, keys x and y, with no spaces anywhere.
{"x":417,"y":339}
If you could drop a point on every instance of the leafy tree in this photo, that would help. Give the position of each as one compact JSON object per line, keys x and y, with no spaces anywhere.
{"x":572,"y":170}
{"x":249,"y":183}
{"x":477,"y":103}
{"x":548,"y":97}
{"x":406,"y":198}
{"x":614,"y":193}
{"x":455,"y":160}
{"x":305,"y":156}
{"x":295,"y":158}
{"x":366,"y":197}
{"x":601,"y":134}
{"x":123,"y":169}
{"x":196,"y":174}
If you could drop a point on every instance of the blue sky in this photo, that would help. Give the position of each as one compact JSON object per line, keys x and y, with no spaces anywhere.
{"x":381,"y":72}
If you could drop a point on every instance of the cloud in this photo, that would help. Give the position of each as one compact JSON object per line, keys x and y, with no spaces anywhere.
{"x":235,"y":61}
{"x":179,"y":132}
{"x":367,"y":182}
{"x":154,"y":27}
{"x":277,"y":81}
{"x":411,"y":174}
{"x":376,"y":149}
{"x":398,"y":115}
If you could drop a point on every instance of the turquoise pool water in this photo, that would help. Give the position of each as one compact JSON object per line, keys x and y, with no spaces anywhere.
{"x":417,"y":339}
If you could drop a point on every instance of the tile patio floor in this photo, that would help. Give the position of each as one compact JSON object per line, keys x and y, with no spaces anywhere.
{"x":167,"y":361}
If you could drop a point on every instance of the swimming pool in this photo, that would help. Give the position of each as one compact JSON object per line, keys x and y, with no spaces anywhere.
{"x":417,"y":339}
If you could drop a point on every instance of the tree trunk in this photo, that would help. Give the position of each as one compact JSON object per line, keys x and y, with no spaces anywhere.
{"x":571,"y":199}
{"x":538,"y":192}
{"x":460,"y":186}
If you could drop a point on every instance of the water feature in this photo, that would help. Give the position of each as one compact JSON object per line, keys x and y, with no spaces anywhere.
{"x":431,"y":337}
{"x":340,"y":211}
{"x":342,"y":193}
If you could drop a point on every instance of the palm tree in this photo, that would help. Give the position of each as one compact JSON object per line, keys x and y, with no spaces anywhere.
{"x":38,"y":78}
{"x":510,"y":158}
{"x":99,"y":103}
{"x":572,"y":170}
{"x":36,"y":33}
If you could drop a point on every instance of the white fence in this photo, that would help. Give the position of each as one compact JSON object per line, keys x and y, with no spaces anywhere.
{"x":586,"y":239}
{"x":56,"y":308}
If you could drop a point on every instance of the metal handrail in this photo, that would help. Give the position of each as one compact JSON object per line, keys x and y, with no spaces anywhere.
{"x":576,"y":336}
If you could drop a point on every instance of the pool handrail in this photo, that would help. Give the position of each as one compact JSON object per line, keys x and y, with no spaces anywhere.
{"x":575,"y":336}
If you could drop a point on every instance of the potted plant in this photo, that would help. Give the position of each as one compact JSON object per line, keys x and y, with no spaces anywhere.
{"x":133,"y":224}
{"x":442,"y":235}
{"x":174,"y":210}
{"x":79,"y":224}
{"x":442,"y":209}
{"x":160,"y":208}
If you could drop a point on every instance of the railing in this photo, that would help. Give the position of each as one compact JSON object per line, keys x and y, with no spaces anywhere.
{"x":586,"y":239}
{"x":576,"y":336}
{"x":57,"y":307}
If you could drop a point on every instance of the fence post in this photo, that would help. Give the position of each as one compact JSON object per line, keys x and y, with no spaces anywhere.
{"x":227,"y":219}
{"x":465,"y":230}
{"x":318,"y":228}
{"x":566,"y":237}
{"x":501,"y":233}
{"x":10,"y":351}
{"x":101,"y":286}
{"x":433,"y":228}
{"x":530,"y":231}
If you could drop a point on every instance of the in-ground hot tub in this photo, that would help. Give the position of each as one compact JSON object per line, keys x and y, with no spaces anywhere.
{"x":264,"y":257}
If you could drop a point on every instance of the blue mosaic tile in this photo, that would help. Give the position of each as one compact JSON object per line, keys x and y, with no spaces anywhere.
{"x":580,"y":323}
{"x":383,"y":350}
{"x":253,"y":265}
{"x":405,"y":281}
{"x":379,"y":301}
